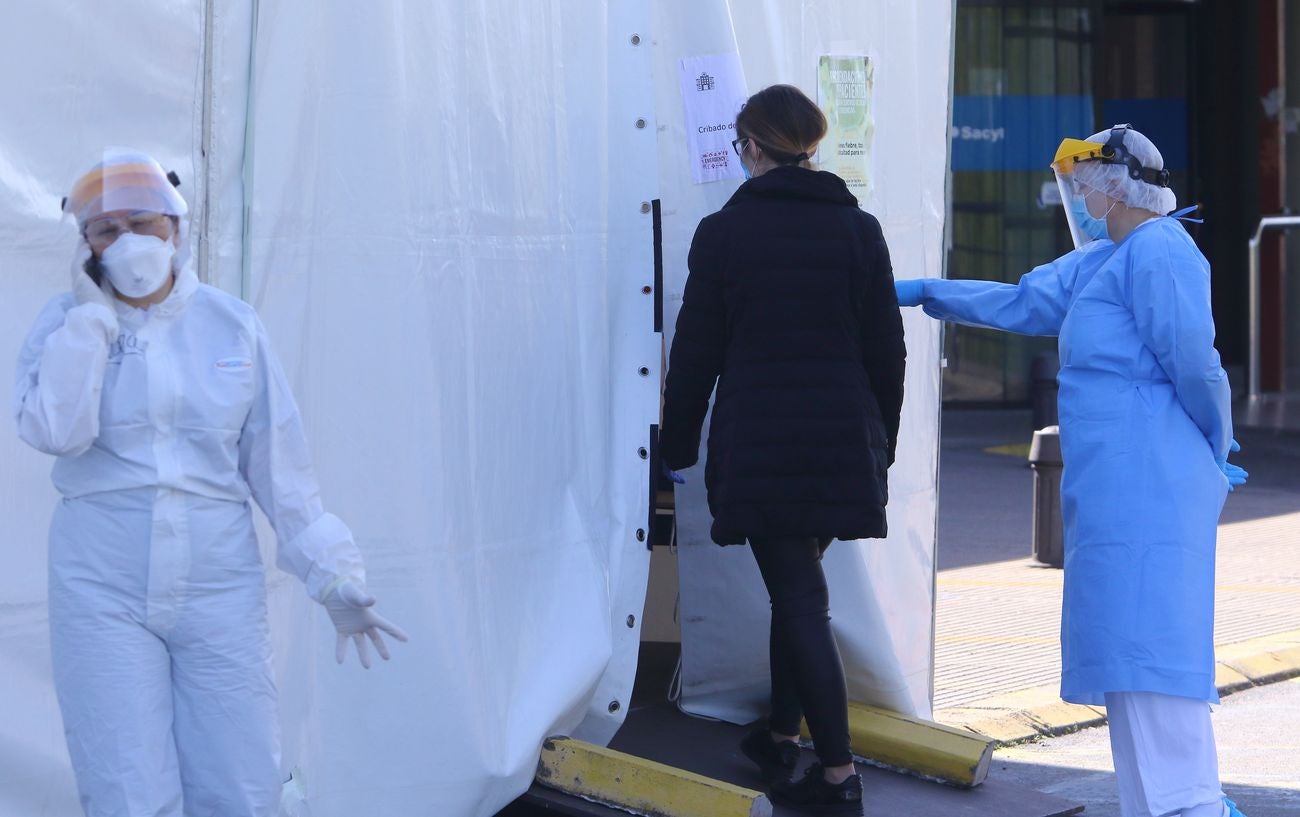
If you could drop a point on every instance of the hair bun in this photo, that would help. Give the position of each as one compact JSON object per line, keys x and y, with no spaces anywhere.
{"x":784,"y":122}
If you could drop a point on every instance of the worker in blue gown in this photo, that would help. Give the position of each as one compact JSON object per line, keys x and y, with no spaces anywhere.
{"x":1146,"y":428}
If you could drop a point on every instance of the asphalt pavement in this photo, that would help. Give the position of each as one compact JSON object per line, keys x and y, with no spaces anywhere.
{"x":1258,"y":734}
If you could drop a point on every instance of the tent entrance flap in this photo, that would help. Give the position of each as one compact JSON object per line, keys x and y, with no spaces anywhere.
{"x":882,"y":591}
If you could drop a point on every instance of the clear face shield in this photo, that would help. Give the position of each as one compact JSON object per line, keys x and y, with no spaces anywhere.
{"x":1085,"y":228}
{"x":125,"y":185}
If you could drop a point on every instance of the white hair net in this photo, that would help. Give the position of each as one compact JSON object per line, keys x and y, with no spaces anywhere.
{"x":1114,"y":181}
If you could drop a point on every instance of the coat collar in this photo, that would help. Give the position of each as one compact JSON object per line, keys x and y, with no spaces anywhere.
{"x":791,"y":182}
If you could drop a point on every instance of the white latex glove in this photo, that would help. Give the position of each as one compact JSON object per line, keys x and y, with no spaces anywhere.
{"x":83,"y":288}
{"x":350,"y":609}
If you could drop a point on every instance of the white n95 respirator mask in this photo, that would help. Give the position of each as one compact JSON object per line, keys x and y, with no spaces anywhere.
{"x":138,"y":265}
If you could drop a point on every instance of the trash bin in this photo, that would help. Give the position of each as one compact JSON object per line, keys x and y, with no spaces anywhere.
{"x":1043,"y":388}
{"x":1049,"y":528}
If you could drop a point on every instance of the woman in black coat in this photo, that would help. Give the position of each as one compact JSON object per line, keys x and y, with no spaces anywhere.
{"x":790,"y":310}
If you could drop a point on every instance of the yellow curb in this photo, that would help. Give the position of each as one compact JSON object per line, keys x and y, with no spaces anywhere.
{"x":1228,"y":680}
{"x":641,"y":786}
{"x":1263,"y":660}
{"x":1269,"y":667}
{"x":1004,"y":729}
{"x":924,"y":748}
{"x":1062,"y":717}
{"x":1018,"y":716}
{"x":1039,"y":712}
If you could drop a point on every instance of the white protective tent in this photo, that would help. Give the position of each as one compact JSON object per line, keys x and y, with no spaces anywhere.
{"x":443,"y":213}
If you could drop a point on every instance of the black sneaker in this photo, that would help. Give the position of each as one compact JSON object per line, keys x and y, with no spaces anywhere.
{"x":813,"y":795}
{"x":775,"y":760}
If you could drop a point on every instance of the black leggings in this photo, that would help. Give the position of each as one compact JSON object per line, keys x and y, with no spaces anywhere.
{"x":807,"y":675}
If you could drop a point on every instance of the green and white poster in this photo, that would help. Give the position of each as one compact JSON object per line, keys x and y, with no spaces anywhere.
{"x":844,"y":94}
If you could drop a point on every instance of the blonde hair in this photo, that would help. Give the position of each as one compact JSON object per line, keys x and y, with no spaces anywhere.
{"x":784,"y":122}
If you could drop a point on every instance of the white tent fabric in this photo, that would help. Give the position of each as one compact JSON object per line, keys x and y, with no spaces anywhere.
{"x":882,"y":591}
{"x":446,"y":241}
{"x":441,"y":212}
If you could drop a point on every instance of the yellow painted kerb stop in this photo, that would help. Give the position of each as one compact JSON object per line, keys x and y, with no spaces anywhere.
{"x":642,"y":786}
{"x":924,"y":748}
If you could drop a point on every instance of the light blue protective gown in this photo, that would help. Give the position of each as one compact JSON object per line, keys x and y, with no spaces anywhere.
{"x":1144,"y":409}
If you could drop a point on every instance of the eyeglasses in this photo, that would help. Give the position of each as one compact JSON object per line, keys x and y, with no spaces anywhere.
{"x":738,"y":145}
{"x":103,"y":230}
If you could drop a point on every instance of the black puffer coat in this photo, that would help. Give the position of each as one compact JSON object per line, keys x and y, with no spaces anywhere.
{"x":790,"y":309}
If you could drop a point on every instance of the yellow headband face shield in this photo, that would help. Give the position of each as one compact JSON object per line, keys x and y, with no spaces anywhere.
{"x":1073,"y":151}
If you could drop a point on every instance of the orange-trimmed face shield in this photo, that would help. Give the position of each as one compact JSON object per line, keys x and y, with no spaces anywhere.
{"x":125,"y":180}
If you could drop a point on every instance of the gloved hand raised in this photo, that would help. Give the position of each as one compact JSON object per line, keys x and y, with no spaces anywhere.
{"x":1236,"y":474}
{"x":909,"y":292}
{"x":351,"y":610}
{"x":85,"y":290}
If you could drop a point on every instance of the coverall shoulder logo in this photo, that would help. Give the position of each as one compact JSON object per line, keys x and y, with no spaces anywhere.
{"x":233,"y":364}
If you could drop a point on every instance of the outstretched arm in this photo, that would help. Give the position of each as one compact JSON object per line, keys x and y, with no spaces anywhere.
{"x":1034,"y":306}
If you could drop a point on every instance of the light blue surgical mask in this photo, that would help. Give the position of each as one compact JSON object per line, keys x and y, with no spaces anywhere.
{"x":1088,"y":224}
{"x":745,"y":169}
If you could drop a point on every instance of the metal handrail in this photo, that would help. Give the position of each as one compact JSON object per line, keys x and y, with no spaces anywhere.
{"x":1265,"y":223}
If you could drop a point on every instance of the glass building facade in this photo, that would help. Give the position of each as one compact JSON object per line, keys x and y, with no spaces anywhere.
{"x":1026,"y":75}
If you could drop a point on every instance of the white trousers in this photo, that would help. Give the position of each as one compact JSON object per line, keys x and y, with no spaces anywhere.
{"x":1166,"y":763}
{"x":162,"y":656}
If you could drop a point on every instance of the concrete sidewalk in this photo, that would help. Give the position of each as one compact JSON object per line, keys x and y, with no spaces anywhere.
{"x":997,"y":661}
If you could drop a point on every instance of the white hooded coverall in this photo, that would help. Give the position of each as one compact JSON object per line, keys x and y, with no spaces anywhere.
{"x":158,"y":630}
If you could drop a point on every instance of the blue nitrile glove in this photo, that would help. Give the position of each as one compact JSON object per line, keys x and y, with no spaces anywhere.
{"x":1233,"y":811}
{"x":909,"y":292}
{"x":671,"y":474}
{"x":1236,"y":474}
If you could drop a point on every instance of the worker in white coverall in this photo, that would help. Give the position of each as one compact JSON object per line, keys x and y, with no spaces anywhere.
{"x":167,"y":411}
